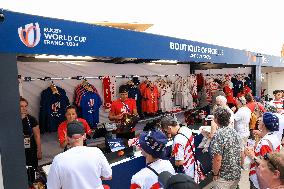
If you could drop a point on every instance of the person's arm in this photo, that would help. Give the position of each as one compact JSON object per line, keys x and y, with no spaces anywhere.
{"x":214,"y":128}
{"x":106,"y":171}
{"x":62,"y":137}
{"x":216,"y":165}
{"x":179,"y":162}
{"x":261,"y":107}
{"x":114,"y":117}
{"x":135,"y":112}
{"x":36,"y":132}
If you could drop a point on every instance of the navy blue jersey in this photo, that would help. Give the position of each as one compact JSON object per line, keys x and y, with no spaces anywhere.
{"x":52,"y":109}
{"x":90,"y":104}
{"x":134,"y":93}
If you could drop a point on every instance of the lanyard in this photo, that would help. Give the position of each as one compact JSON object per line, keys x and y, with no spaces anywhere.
{"x":128,"y":110}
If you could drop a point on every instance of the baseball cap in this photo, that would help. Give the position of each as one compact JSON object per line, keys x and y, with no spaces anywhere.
{"x":75,"y":127}
{"x":153,"y":143}
{"x":178,"y":181}
{"x":271,"y":121}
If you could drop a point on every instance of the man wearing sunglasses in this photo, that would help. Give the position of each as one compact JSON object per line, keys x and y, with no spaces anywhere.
{"x":269,"y":143}
{"x":270,"y":171}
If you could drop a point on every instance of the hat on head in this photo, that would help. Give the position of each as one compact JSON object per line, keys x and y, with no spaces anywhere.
{"x":153,"y":143}
{"x":178,"y":181}
{"x":123,"y":89}
{"x":75,"y":127}
{"x":271,"y":121}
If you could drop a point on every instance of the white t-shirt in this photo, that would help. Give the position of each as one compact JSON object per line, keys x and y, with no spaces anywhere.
{"x":281,"y":125}
{"x":242,"y":119}
{"x":79,"y":167}
{"x":182,"y":150}
{"x":146,"y":178}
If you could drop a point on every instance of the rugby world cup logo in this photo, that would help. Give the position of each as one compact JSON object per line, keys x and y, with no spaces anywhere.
{"x":30,"y":35}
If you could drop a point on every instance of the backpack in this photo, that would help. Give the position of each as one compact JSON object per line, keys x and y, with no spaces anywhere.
{"x":257,"y":113}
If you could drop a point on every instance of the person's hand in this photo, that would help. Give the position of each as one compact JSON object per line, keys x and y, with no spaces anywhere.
{"x":249,"y":151}
{"x":39,"y":154}
{"x":256,"y":132}
{"x":118,"y":117}
{"x":234,"y":108}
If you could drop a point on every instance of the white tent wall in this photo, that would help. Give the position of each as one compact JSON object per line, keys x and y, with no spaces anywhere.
{"x":272,"y":80}
{"x":246,"y":70}
{"x":32,"y":90}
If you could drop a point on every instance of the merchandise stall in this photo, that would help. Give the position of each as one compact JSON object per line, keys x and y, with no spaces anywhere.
{"x":97,"y":52}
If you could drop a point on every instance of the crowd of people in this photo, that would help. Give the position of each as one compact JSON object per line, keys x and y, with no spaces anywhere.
{"x":233,"y":138}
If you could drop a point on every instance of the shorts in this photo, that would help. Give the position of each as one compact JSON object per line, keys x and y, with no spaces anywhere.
{"x":223,"y":184}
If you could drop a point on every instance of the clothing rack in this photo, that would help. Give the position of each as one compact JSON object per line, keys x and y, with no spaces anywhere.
{"x":28,"y":79}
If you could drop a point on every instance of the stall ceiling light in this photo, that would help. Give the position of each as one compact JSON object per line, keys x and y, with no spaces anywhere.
{"x":64,"y":57}
{"x":165,"y":61}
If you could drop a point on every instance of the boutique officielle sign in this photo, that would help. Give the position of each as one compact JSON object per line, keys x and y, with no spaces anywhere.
{"x":196,"y":51}
{"x":31,"y":35}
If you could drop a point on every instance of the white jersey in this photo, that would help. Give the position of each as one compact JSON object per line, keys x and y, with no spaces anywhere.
{"x":182,"y":150}
{"x":166,"y":103}
{"x":147,"y":179}
{"x":261,"y":149}
{"x":78,"y":167}
{"x":242,"y":119}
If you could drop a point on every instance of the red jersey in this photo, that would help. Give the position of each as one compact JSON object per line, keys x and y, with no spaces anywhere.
{"x":151,"y":103}
{"x":117,"y":107}
{"x":229,"y":95}
{"x":62,"y":129}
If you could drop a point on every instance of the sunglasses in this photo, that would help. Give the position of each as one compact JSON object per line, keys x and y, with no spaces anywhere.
{"x":267,"y":158}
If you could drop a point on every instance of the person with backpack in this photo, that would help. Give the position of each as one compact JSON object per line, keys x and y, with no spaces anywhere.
{"x":152,"y":144}
{"x":183,"y":149}
{"x":269,"y":142}
{"x":257,"y":109}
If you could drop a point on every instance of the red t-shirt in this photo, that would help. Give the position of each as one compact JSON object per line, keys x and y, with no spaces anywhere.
{"x":117,"y":107}
{"x":62,"y":129}
{"x":251,"y":106}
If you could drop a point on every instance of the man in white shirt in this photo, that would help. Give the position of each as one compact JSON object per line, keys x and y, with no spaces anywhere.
{"x":80,"y":166}
{"x":242,"y":119}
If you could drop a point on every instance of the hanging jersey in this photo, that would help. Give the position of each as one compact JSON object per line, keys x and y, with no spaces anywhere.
{"x":261,"y":149}
{"x":166,"y":103}
{"x":106,"y":92}
{"x":183,"y":149}
{"x":90,"y":104}
{"x":134,"y":93}
{"x":52,"y":109}
{"x":147,"y":179}
{"x":142,"y":88}
{"x":151,"y":96}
